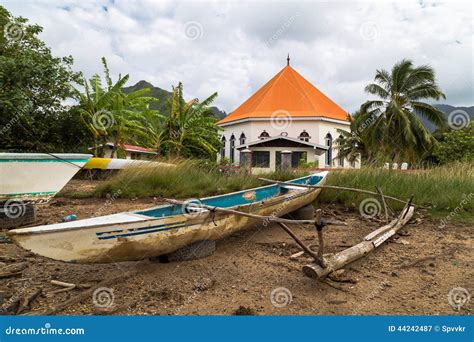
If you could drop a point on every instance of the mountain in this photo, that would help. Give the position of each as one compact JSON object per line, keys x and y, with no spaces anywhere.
{"x":163,"y":96}
{"x":446,"y":109}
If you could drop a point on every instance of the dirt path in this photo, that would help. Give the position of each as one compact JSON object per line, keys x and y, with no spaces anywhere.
{"x":412,"y":274}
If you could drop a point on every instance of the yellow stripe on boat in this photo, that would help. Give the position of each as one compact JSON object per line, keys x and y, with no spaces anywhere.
{"x":97,"y":163}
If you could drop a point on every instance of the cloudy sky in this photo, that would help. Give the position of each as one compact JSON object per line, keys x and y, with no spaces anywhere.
{"x":234,"y":47}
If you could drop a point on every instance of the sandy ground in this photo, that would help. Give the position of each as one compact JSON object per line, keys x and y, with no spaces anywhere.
{"x":251,"y":272}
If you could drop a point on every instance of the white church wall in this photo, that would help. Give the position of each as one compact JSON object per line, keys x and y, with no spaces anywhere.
{"x":317,"y":129}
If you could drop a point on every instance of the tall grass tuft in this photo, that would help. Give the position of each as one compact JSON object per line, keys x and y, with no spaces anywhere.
{"x":441,"y":189}
{"x":186,"y":179}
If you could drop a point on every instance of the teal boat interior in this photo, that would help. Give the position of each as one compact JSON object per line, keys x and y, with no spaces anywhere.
{"x":234,"y":199}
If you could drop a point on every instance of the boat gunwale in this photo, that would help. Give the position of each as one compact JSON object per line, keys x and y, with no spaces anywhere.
{"x":38,"y":157}
{"x":23,"y":231}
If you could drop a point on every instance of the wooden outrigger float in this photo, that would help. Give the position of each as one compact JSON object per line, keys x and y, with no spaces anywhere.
{"x":147,"y":233}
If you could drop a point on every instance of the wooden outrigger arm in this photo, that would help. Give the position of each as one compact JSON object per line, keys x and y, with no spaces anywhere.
{"x":281,"y":221}
{"x":334,"y":187}
{"x":368,"y":244}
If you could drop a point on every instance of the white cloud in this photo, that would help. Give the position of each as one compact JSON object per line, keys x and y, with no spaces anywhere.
{"x":241,"y":45}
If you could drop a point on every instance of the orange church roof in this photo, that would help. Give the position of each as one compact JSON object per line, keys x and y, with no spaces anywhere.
{"x":291,"y":92}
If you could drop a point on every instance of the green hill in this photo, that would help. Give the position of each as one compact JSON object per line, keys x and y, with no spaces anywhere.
{"x":163,"y":96}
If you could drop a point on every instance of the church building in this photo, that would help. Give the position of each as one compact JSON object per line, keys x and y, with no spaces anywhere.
{"x":287,"y":115}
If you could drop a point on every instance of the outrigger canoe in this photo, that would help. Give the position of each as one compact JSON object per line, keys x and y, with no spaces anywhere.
{"x":160,"y":230}
{"x":37,"y":177}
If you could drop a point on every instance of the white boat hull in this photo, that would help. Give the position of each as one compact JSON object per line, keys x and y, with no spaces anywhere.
{"x":36,"y":177}
{"x":132,"y":236}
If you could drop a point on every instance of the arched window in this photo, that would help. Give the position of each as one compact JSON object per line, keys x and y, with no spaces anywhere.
{"x":328,"y":140}
{"x":223,"y":147}
{"x":304,"y":136}
{"x":264,"y":135}
{"x":232,"y":149}
{"x":341,"y":159}
{"x":242,"y":139}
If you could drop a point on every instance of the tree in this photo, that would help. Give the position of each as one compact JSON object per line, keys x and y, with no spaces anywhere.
{"x":109,"y":113}
{"x":456,"y":145}
{"x":352,"y":144}
{"x":397,"y":131}
{"x":33,"y":88}
{"x":188,"y":129}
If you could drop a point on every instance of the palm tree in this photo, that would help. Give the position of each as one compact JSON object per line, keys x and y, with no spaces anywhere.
{"x":352,"y":144}
{"x":188,"y":129}
{"x":397,"y":130}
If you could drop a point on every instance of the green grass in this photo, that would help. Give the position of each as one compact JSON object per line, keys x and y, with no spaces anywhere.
{"x":187,"y":179}
{"x":440,"y":189}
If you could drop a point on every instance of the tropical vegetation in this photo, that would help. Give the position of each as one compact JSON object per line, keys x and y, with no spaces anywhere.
{"x":442,"y":191}
{"x":36,"y":90}
{"x":456,"y":145}
{"x":187,"y":129}
{"x":110,"y":114}
{"x":388,"y":127}
{"x":34,"y":86}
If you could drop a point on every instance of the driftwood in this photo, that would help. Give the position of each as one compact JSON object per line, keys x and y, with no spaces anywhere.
{"x":379,"y":190}
{"x":27,"y":301}
{"x":13,"y":270}
{"x":370,"y":242}
{"x":67,"y":285}
{"x":334,"y":187}
{"x":83,"y":295}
